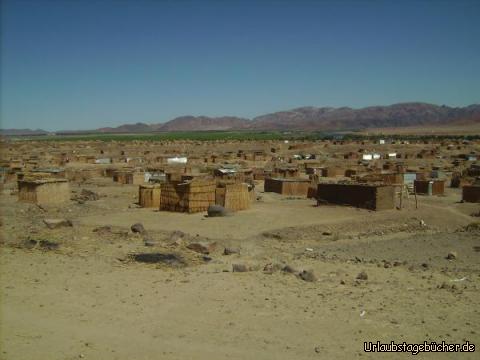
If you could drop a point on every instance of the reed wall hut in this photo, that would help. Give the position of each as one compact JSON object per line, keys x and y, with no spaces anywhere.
{"x":149,"y":196}
{"x":287,"y":186}
{"x":233,"y":197}
{"x":123,"y":177}
{"x":48,"y":191}
{"x":190,"y":196}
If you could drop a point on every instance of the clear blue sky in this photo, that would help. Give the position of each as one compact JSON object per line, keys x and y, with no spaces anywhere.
{"x":87,"y":64}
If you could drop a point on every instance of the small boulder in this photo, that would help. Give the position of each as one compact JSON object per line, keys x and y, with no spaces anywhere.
{"x":216,"y":211}
{"x":307,"y":275}
{"x":271,"y":268}
{"x":137,"y":228}
{"x":56,"y":223}
{"x":202,"y":247}
{"x":452,"y":255}
{"x":103,"y":229}
{"x":89,"y":195}
{"x":231,"y":251}
{"x":149,"y":241}
{"x":362,"y":276}
{"x":289,"y":269}
{"x":240,"y":268}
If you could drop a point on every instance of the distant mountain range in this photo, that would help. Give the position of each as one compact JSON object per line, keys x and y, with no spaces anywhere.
{"x":306,"y":119}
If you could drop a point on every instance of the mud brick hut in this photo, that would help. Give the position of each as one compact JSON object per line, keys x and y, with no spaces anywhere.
{"x":471,"y":193}
{"x":49,"y":191}
{"x":190,"y":196}
{"x":149,"y":196}
{"x":429,"y":187}
{"x":287,"y":186}
{"x":233,"y":197}
{"x":367,"y":196}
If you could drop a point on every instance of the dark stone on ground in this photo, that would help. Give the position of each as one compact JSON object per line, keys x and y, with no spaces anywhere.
{"x":307,"y":275}
{"x":216,"y":211}
{"x":137,"y":228}
{"x":230,"y":251}
{"x":362,"y":276}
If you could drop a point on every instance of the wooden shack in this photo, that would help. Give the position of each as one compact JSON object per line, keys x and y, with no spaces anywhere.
{"x":287,"y":186}
{"x":48,"y":191}
{"x":149,"y":196}
{"x":190,"y":196}
{"x":368,"y":196}
{"x":429,"y":187}
{"x":233,"y":197}
{"x":471,"y":193}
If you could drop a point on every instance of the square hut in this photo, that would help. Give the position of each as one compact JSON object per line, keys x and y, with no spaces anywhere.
{"x":149,"y":196}
{"x":471,"y":193}
{"x":49,"y":191}
{"x":233,"y":196}
{"x":368,"y":196}
{"x":429,"y":187}
{"x":190,"y":196}
{"x":287,"y":186}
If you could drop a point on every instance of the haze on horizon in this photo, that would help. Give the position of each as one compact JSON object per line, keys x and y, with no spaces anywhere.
{"x":89,"y":64}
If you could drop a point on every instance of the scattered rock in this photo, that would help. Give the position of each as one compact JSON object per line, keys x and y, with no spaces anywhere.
{"x":452,"y":255}
{"x":307,"y":275}
{"x":202,"y":247}
{"x":48,"y":245}
{"x":289,"y":269}
{"x":103,"y":229}
{"x":271,"y":268}
{"x":56,"y":223}
{"x":148,"y":241}
{"x":87,"y":195}
{"x":177,"y":235}
{"x":327,"y":233}
{"x":240,"y":268}
{"x":231,"y":251}
{"x":173,"y":260}
{"x":362,"y":276}
{"x":216,"y":211}
{"x":138,"y":228}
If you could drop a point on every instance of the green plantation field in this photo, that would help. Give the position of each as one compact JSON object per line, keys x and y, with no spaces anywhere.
{"x":183,"y":135}
{"x":244,"y":136}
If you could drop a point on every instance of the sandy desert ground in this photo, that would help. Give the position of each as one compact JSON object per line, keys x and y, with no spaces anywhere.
{"x":77,"y":292}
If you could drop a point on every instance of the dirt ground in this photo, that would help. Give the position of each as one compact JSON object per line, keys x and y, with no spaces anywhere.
{"x":77,"y":292}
